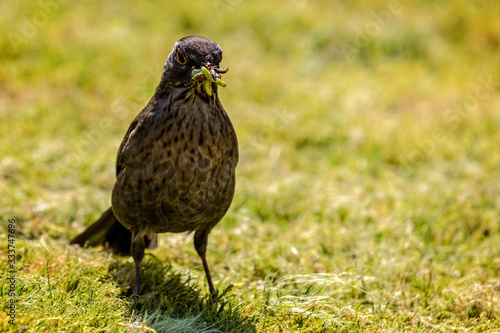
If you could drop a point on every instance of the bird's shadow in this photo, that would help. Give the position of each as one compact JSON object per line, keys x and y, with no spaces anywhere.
{"x":167,"y":298}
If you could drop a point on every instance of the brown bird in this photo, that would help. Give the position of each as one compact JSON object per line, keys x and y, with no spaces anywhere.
{"x":175,"y":169}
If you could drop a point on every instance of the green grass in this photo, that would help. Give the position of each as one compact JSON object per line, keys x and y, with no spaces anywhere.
{"x":367,"y":190}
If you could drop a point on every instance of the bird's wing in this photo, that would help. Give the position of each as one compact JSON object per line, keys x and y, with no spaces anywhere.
{"x":121,"y":157}
{"x":138,"y":132}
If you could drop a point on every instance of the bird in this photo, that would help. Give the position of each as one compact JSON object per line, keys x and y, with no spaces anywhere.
{"x":175,"y":168}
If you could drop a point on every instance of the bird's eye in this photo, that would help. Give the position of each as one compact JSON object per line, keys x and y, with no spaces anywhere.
{"x":181,"y":58}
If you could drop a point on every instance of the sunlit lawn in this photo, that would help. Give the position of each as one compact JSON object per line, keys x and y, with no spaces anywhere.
{"x":368,"y":185}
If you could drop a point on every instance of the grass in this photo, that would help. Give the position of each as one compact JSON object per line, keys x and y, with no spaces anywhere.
{"x":367,"y":189}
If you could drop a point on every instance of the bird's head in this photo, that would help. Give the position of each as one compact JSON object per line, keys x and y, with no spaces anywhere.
{"x":194,"y":63}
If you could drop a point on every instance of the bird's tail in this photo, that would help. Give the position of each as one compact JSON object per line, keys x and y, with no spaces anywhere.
{"x":110,"y":233}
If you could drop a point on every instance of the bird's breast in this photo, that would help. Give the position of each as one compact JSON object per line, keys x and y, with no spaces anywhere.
{"x":185,"y":175}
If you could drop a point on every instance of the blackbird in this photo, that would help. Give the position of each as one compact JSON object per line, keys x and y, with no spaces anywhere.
{"x":175,"y":170}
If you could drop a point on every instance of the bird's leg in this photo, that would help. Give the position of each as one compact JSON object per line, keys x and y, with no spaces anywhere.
{"x":137,"y":250}
{"x":200,"y":244}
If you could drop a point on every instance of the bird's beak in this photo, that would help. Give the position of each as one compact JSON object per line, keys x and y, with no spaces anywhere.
{"x":209,"y":74}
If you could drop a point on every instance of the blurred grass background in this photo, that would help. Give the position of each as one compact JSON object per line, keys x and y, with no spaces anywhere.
{"x":368,"y":185}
